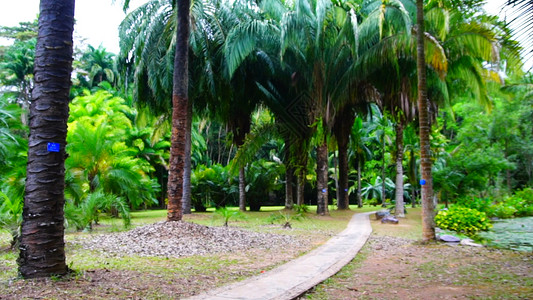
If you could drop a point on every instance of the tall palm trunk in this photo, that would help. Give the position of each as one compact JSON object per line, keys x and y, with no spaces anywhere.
{"x":383,"y":194}
{"x":289,"y":175}
{"x":322,"y":178}
{"x":300,"y":187}
{"x":186,"y":200}
{"x":242,"y":189}
{"x":428,"y":209}
{"x":399,"y":210}
{"x":359,"y":192}
{"x":342,"y":129}
{"x":42,"y":246}
{"x":412,"y":172}
{"x":289,"y":195}
{"x":180,"y":103}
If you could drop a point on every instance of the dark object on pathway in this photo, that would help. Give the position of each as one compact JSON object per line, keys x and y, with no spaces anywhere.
{"x":389,"y":220}
{"x":381,"y":214}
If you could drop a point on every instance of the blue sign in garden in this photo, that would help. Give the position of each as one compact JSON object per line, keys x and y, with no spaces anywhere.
{"x":53,"y":147}
{"x":422,"y":181}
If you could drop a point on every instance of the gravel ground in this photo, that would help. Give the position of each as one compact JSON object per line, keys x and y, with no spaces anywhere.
{"x":178,"y":239}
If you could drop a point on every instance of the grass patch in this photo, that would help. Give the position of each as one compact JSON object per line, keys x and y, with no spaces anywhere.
{"x":392,"y":268}
{"x":409,"y":227}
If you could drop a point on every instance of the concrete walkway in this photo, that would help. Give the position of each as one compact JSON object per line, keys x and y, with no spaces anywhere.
{"x":297,"y":276}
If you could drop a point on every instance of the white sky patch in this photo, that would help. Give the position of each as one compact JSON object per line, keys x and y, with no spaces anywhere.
{"x":97,"y":21}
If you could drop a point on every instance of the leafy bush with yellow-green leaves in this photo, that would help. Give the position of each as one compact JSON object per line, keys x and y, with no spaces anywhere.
{"x":463,"y":220}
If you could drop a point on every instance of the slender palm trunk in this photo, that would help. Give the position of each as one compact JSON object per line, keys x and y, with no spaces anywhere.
{"x":219,"y":143}
{"x":42,"y":246}
{"x":242,"y":189}
{"x":342,"y":130}
{"x":399,"y":211}
{"x":343,"y":201}
{"x":336,"y":176}
{"x":383,"y":194}
{"x":180,"y":104}
{"x":428,"y":208}
{"x":322,"y":178}
{"x":289,"y":176}
{"x":289,"y":195}
{"x":412,"y":176}
{"x":300,"y":187}
{"x":359,"y":192}
{"x":186,"y":201}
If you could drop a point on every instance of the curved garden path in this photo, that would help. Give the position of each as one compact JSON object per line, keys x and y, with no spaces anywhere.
{"x":298,"y":276}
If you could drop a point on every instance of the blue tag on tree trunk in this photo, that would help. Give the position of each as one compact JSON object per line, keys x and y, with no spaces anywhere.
{"x":422,"y":181}
{"x":53,"y":147}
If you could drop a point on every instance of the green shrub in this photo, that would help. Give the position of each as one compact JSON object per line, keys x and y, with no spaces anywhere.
{"x":463,"y":220}
{"x":213,"y":186}
{"x":11,"y":216}
{"x":480,"y":204}
{"x":522,"y":201}
{"x":503,"y":210}
{"x":300,"y":209}
{"x":372,"y":201}
{"x":262,"y":177}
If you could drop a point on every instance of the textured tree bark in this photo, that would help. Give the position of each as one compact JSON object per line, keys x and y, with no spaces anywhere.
{"x":289,"y":174}
{"x":359,"y":192}
{"x":400,"y":210}
{"x":186,"y":200}
{"x":300,"y":188}
{"x":412,"y":175}
{"x":242,"y":189}
{"x":322,"y":178}
{"x":428,"y":208}
{"x":180,"y":99}
{"x":383,"y":190}
{"x":42,"y":246}
{"x":342,"y":129}
{"x":289,"y":195}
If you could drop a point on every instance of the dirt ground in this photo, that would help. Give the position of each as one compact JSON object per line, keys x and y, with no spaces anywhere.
{"x":232,"y":255}
{"x":396,"y":268}
{"x":387,"y":268}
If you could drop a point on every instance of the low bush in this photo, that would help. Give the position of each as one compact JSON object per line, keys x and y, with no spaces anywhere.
{"x":481,"y":204}
{"x":503,"y":210}
{"x":463,"y":220}
{"x":522,"y":202}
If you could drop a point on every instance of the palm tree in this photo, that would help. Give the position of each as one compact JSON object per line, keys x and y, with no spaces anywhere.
{"x":523,"y":17}
{"x":359,"y":139}
{"x":162,"y":62}
{"x":319,"y":46}
{"x":428,"y":206}
{"x":99,"y":65}
{"x":180,"y":114}
{"x":412,"y":152}
{"x":16,"y":70}
{"x":42,"y":246}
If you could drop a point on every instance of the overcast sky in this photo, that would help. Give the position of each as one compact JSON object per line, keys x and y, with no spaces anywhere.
{"x":97,"y":20}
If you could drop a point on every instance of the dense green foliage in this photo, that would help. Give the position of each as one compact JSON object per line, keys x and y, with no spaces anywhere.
{"x":269,"y":82}
{"x":463,"y":220}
